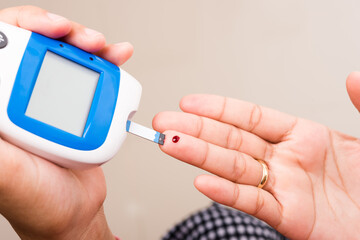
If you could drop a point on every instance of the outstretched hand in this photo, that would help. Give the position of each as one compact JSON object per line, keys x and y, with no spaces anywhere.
{"x":312,"y":190}
{"x":40,"y":199}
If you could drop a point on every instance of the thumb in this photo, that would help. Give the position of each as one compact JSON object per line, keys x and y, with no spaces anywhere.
{"x":353,"y":88}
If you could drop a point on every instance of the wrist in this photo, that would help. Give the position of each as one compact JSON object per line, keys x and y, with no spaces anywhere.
{"x":96,"y":229}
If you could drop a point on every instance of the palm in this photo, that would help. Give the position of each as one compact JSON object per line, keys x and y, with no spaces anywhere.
{"x":35,"y":187}
{"x":311,"y":168}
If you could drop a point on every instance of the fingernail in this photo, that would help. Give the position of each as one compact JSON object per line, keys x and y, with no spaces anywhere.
{"x":123,"y":44}
{"x":55,"y":17}
{"x":91,"y":32}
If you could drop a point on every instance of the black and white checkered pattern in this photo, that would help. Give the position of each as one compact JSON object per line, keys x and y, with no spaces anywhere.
{"x":221,"y":223}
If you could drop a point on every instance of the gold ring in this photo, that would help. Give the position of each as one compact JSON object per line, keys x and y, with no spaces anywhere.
{"x":265,"y":174}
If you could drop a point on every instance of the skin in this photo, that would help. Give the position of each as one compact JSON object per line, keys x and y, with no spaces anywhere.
{"x":40,"y":199}
{"x":312,"y":191}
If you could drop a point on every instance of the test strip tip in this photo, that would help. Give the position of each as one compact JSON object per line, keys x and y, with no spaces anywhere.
{"x":161,"y":139}
{"x":145,"y":132}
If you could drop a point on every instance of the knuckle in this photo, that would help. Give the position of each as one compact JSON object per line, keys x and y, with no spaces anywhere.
{"x":255,"y":117}
{"x":23,"y":14}
{"x":239,"y":168}
{"x":234,"y":138}
{"x":235,"y":198}
{"x":200,"y":126}
{"x":223,"y":109}
{"x":259,"y":204}
{"x":268,"y":152}
{"x":204,"y":160}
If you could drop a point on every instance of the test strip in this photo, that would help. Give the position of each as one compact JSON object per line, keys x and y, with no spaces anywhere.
{"x":145,"y":132}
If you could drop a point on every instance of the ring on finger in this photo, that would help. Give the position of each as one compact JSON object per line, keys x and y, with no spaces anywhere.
{"x":265,"y":174}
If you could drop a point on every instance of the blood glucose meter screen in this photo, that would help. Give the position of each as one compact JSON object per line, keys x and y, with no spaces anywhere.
{"x":63,"y":94}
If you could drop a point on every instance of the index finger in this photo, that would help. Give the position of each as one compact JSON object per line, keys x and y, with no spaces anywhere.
{"x":36,"y":20}
{"x":54,"y":26}
{"x":266,"y":123}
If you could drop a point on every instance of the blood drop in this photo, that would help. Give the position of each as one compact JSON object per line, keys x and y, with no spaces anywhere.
{"x":175,"y":139}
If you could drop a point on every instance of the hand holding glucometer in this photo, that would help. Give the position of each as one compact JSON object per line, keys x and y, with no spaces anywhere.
{"x":40,"y":199}
{"x":62,"y":103}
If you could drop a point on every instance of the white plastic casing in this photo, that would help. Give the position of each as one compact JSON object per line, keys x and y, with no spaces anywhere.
{"x":127,"y":104}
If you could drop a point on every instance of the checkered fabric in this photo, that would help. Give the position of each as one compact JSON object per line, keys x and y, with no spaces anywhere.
{"x":221,"y":223}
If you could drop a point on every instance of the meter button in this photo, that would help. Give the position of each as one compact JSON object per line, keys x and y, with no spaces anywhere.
{"x":3,"y":40}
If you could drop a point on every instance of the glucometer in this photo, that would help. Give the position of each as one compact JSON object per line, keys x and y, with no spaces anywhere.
{"x":62,"y":103}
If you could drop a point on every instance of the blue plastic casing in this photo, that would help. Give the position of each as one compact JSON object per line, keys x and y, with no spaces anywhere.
{"x":102,"y":107}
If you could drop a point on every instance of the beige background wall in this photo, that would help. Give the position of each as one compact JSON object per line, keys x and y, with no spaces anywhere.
{"x":286,"y":54}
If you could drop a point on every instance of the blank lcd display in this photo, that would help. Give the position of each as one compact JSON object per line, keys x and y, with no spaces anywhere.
{"x":63,"y":94}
